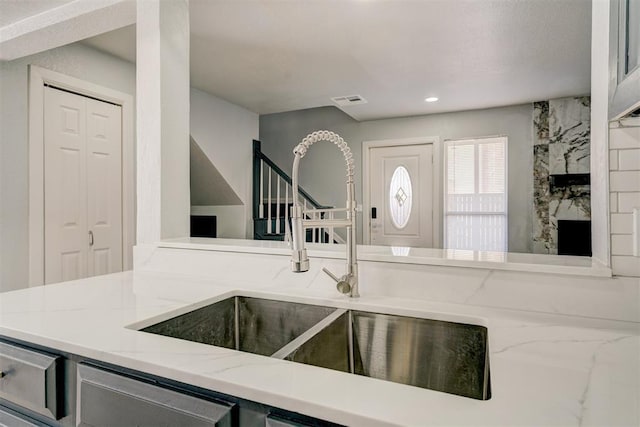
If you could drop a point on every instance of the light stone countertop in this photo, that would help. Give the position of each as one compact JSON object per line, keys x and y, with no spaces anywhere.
{"x":509,"y":261}
{"x":546,"y":369}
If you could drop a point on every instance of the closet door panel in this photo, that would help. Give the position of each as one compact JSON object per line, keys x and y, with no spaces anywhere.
{"x":104,"y":181}
{"x":65,"y":189}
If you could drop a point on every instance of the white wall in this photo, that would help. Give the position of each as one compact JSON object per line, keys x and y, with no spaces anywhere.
{"x":228,"y":225}
{"x":74,"y":60}
{"x":322,"y":169}
{"x":225,"y":131}
{"x":599,"y":131}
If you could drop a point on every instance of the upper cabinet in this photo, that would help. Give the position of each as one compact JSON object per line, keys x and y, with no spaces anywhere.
{"x":625,"y":57}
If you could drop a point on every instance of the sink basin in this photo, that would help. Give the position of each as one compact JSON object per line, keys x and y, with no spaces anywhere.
{"x":439,"y":355}
{"x":254,"y":325}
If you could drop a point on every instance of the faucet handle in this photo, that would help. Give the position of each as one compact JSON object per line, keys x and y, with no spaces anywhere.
{"x":342,"y":283}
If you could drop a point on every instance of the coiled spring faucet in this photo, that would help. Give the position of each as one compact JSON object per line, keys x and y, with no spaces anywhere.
{"x":347,"y":283}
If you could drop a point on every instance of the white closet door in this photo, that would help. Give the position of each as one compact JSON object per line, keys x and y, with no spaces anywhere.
{"x":65,"y":186}
{"x":83,"y":186}
{"x":104,"y":182}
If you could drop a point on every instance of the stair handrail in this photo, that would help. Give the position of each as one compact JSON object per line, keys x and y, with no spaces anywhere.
{"x":258,"y":156}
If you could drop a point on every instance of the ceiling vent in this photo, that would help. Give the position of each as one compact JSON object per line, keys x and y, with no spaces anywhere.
{"x":345,"y":101}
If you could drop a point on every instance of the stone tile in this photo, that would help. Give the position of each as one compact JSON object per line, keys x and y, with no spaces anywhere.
{"x":621,"y":244}
{"x":541,"y":123}
{"x":624,"y":138}
{"x":625,"y":266}
{"x":569,"y":135}
{"x":628,"y":201}
{"x":629,"y":160}
{"x":613,"y":160}
{"x":624,"y":181}
{"x":621,"y":223}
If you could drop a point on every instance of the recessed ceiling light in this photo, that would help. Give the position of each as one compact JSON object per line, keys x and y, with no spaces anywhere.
{"x":431,"y":99}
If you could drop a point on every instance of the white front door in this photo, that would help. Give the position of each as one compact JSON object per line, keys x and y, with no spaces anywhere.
{"x":400,"y":193}
{"x":82,"y":186}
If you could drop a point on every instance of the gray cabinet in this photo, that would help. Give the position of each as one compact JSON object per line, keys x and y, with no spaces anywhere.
{"x":9,"y":418}
{"x":109,"y":399}
{"x":43,"y":387}
{"x":275,"y":421}
{"x":29,"y":379}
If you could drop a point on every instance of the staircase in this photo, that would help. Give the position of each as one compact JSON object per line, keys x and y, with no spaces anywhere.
{"x":273,"y":199}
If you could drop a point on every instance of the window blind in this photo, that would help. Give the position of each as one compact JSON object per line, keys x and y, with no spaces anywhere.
{"x":475,"y":208}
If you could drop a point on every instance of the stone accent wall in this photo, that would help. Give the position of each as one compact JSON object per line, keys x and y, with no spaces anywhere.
{"x":561,"y":147}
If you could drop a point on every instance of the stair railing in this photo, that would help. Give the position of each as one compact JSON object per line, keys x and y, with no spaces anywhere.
{"x":270,"y":184}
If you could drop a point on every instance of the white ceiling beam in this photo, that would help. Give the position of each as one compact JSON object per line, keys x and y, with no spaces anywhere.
{"x":63,"y":25}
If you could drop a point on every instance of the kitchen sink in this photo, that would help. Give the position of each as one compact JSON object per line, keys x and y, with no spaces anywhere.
{"x":254,"y":325}
{"x":439,"y":355}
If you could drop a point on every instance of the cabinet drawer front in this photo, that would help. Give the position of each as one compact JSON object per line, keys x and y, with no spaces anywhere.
{"x":105,"y":398}
{"x":29,"y":379}
{"x":11,"y":419}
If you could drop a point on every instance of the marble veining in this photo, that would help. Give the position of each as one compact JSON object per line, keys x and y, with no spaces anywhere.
{"x":542,"y":240}
{"x":546,"y":369}
{"x":569,"y":135}
{"x":561,"y":147}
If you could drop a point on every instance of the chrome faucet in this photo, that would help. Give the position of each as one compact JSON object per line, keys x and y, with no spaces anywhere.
{"x":347,"y":283}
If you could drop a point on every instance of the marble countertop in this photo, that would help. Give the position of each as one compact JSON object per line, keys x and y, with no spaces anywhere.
{"x":510,"y":261}
{"x":545,"y":369}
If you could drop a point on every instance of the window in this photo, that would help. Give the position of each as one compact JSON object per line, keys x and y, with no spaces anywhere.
{"x":400,"y":197}
{"x":630,"y":36}
{"x":475,"y":206}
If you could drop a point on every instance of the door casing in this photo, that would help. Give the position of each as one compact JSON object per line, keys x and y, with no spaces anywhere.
{"x":437,"y":186}
{"x":38,"y":78}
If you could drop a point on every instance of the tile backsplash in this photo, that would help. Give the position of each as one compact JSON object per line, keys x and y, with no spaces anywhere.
{"x":624,"y":187}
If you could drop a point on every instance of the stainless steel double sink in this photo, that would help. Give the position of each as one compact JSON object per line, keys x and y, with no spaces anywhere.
{"x":439,"y":355}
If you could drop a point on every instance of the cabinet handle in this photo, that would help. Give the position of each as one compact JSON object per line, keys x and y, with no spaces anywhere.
{"x":90,"y":238}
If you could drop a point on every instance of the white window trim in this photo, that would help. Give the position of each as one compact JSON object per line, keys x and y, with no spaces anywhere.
{"x":445,"y":192}
{"x":38,"y":77}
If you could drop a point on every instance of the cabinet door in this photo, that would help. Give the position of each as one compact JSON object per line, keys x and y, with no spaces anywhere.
{"x":108,"y":399}
{"x":9,"y":418}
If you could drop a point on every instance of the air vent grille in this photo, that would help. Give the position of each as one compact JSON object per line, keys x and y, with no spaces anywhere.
{"x":345,"y":101}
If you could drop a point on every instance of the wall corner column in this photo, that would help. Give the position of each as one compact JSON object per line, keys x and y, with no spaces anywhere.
{"x":600,"y":75}
{"x":162,"y":104}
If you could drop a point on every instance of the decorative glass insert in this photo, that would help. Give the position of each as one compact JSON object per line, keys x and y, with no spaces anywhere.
{"x":400,"y":197}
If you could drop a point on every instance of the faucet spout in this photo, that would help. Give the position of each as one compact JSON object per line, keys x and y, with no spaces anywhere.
{"x":299,"y":258}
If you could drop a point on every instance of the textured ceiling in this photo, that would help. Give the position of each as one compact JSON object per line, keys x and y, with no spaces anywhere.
{"x":273,"y":56}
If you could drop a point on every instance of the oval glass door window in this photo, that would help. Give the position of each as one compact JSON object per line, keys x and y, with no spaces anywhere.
{"x":400,"y":197}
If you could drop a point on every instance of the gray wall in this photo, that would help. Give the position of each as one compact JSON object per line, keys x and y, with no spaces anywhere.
{"x":225,"y":133}
{"x":224,"y":130}
{"x":74,"y":60}
{"x":322,"y":169}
